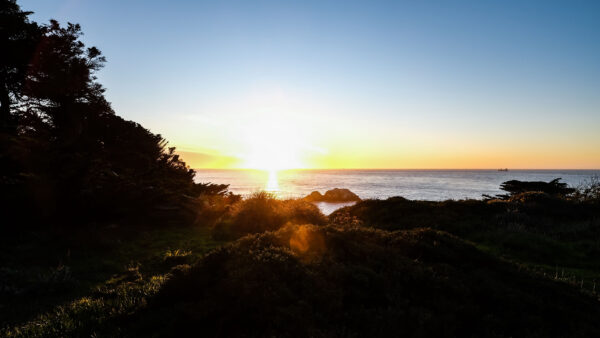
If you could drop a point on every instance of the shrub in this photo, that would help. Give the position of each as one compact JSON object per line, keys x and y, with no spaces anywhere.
{"x":354,"y":281}
{"x":531,"y":211}
{"x":298,"y":211}
{"x":261,"y":212}
{"x":398,"y":213}
{"x":210,"y":209}
{"x":589,"y":190}
{"x":264,"y":212}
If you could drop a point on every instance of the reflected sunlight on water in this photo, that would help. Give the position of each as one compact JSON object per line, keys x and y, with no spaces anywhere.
{"x":272,"y":185}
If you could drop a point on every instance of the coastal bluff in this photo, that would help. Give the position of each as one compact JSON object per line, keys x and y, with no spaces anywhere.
{"x":336,"y":195}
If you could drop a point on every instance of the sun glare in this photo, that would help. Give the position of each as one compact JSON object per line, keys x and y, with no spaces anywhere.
{"x":272,"y":146}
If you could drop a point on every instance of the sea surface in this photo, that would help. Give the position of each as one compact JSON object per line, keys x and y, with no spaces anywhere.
{"x":433,"y":185}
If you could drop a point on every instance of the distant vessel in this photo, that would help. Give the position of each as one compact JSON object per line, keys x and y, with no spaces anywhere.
{"x":505,"y":169}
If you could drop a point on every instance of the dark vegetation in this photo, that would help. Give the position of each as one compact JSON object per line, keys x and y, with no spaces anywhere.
{"x":555,"y":234}
{"x":66,"y":158}
{"x":371,"y":269}
{"x":357,"y":281}
{"x":263,"y":212}
{"x":89,"y":200}
{"x":554,"y":187}
{"x":105,"y":233}
{"x":74,"y":284}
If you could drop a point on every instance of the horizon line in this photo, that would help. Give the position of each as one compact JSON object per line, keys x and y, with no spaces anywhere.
{"x":497,"y":169}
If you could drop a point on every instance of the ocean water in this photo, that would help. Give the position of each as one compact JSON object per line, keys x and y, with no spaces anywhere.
{"x":412,"y":184}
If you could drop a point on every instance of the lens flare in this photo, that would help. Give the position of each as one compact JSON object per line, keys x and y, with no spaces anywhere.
{"x":307,"y":242}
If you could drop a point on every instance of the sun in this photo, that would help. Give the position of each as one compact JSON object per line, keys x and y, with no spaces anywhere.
{"x":272,"y":147}
{"x":272,"y":156}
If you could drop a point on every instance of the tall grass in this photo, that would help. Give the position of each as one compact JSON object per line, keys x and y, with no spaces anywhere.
{"x":262,"y":211}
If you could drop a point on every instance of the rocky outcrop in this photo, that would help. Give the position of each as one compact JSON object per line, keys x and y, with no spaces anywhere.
{"x":333,"y":196}
{"x":314,"y":196}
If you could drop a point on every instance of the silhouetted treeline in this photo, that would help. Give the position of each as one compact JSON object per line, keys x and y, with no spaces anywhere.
{"x":64,"y":154}
{"x":515,"y":187}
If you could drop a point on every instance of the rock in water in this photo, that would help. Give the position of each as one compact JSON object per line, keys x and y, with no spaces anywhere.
{"x":333,"y":196}
{"x":340,"y":195}
{"x":314,"y":196}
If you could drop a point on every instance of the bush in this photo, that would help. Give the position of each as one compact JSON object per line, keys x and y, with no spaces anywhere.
{"x":211,"y":209}
{"x":263,"y":212}
{"x":531,"y":211}
{"x":354,"y":281}
{"x":398,"y":213}
{"x":589,"y":190}
{"x":554,"y":187}
{"x":297,"y":211}
{"x":537,"y":203}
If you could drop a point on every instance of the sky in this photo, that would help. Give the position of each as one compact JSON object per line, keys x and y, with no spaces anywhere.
{"x":353,"y":84}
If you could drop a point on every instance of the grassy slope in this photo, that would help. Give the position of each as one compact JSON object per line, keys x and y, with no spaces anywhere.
{"x":536,"y":241}
{"x":356,"y":281}
{"x":102,"y":279}
{"x":79,"y":284}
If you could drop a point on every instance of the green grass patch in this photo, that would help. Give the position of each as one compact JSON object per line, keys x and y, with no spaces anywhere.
{"x":71,"y":284}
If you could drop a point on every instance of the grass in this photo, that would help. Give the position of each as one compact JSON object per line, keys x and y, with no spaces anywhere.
{"x":82,"y":284}
{"x":357,"y":281}
{"x":98,"y":313}
{"x":262,"y":212}
{"x":77,"y":281}
{"x":537,"y":233}
{"x":522,"y":267}
{"x":566,"y":261}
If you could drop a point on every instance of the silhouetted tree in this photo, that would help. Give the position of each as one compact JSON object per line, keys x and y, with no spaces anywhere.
{"x":66,"y":155}
{"x":516,"y":187}
{"x":61,"y":87}
{"x":18,"y":40}
{"x":554,"y":187}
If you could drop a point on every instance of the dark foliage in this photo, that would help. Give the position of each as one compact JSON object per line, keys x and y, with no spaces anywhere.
{"x":535,"y":211}
{"x":398,"y":213}
{"x":354,"y":281}
{"x":263,"y":212}
{"x":554,"y":187}
{"x":65,"y":156}
{"x":589,"y":191}
{"x":18,"y":41}
{"x":541,"y":230}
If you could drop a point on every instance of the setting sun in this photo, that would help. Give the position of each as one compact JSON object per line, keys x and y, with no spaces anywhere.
{"x":272,"y":146}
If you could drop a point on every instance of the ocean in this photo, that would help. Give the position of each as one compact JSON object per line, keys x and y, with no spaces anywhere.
{"x":433,"y":185}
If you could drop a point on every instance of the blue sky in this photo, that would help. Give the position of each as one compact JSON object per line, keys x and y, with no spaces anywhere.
{"x":434,"y":84}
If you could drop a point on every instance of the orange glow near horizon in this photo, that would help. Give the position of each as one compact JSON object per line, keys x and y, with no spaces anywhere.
{"x":269,"y":132}
{"x":277,"y":158}
{"x":275,"y":145}
{"x":271,"y":126}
